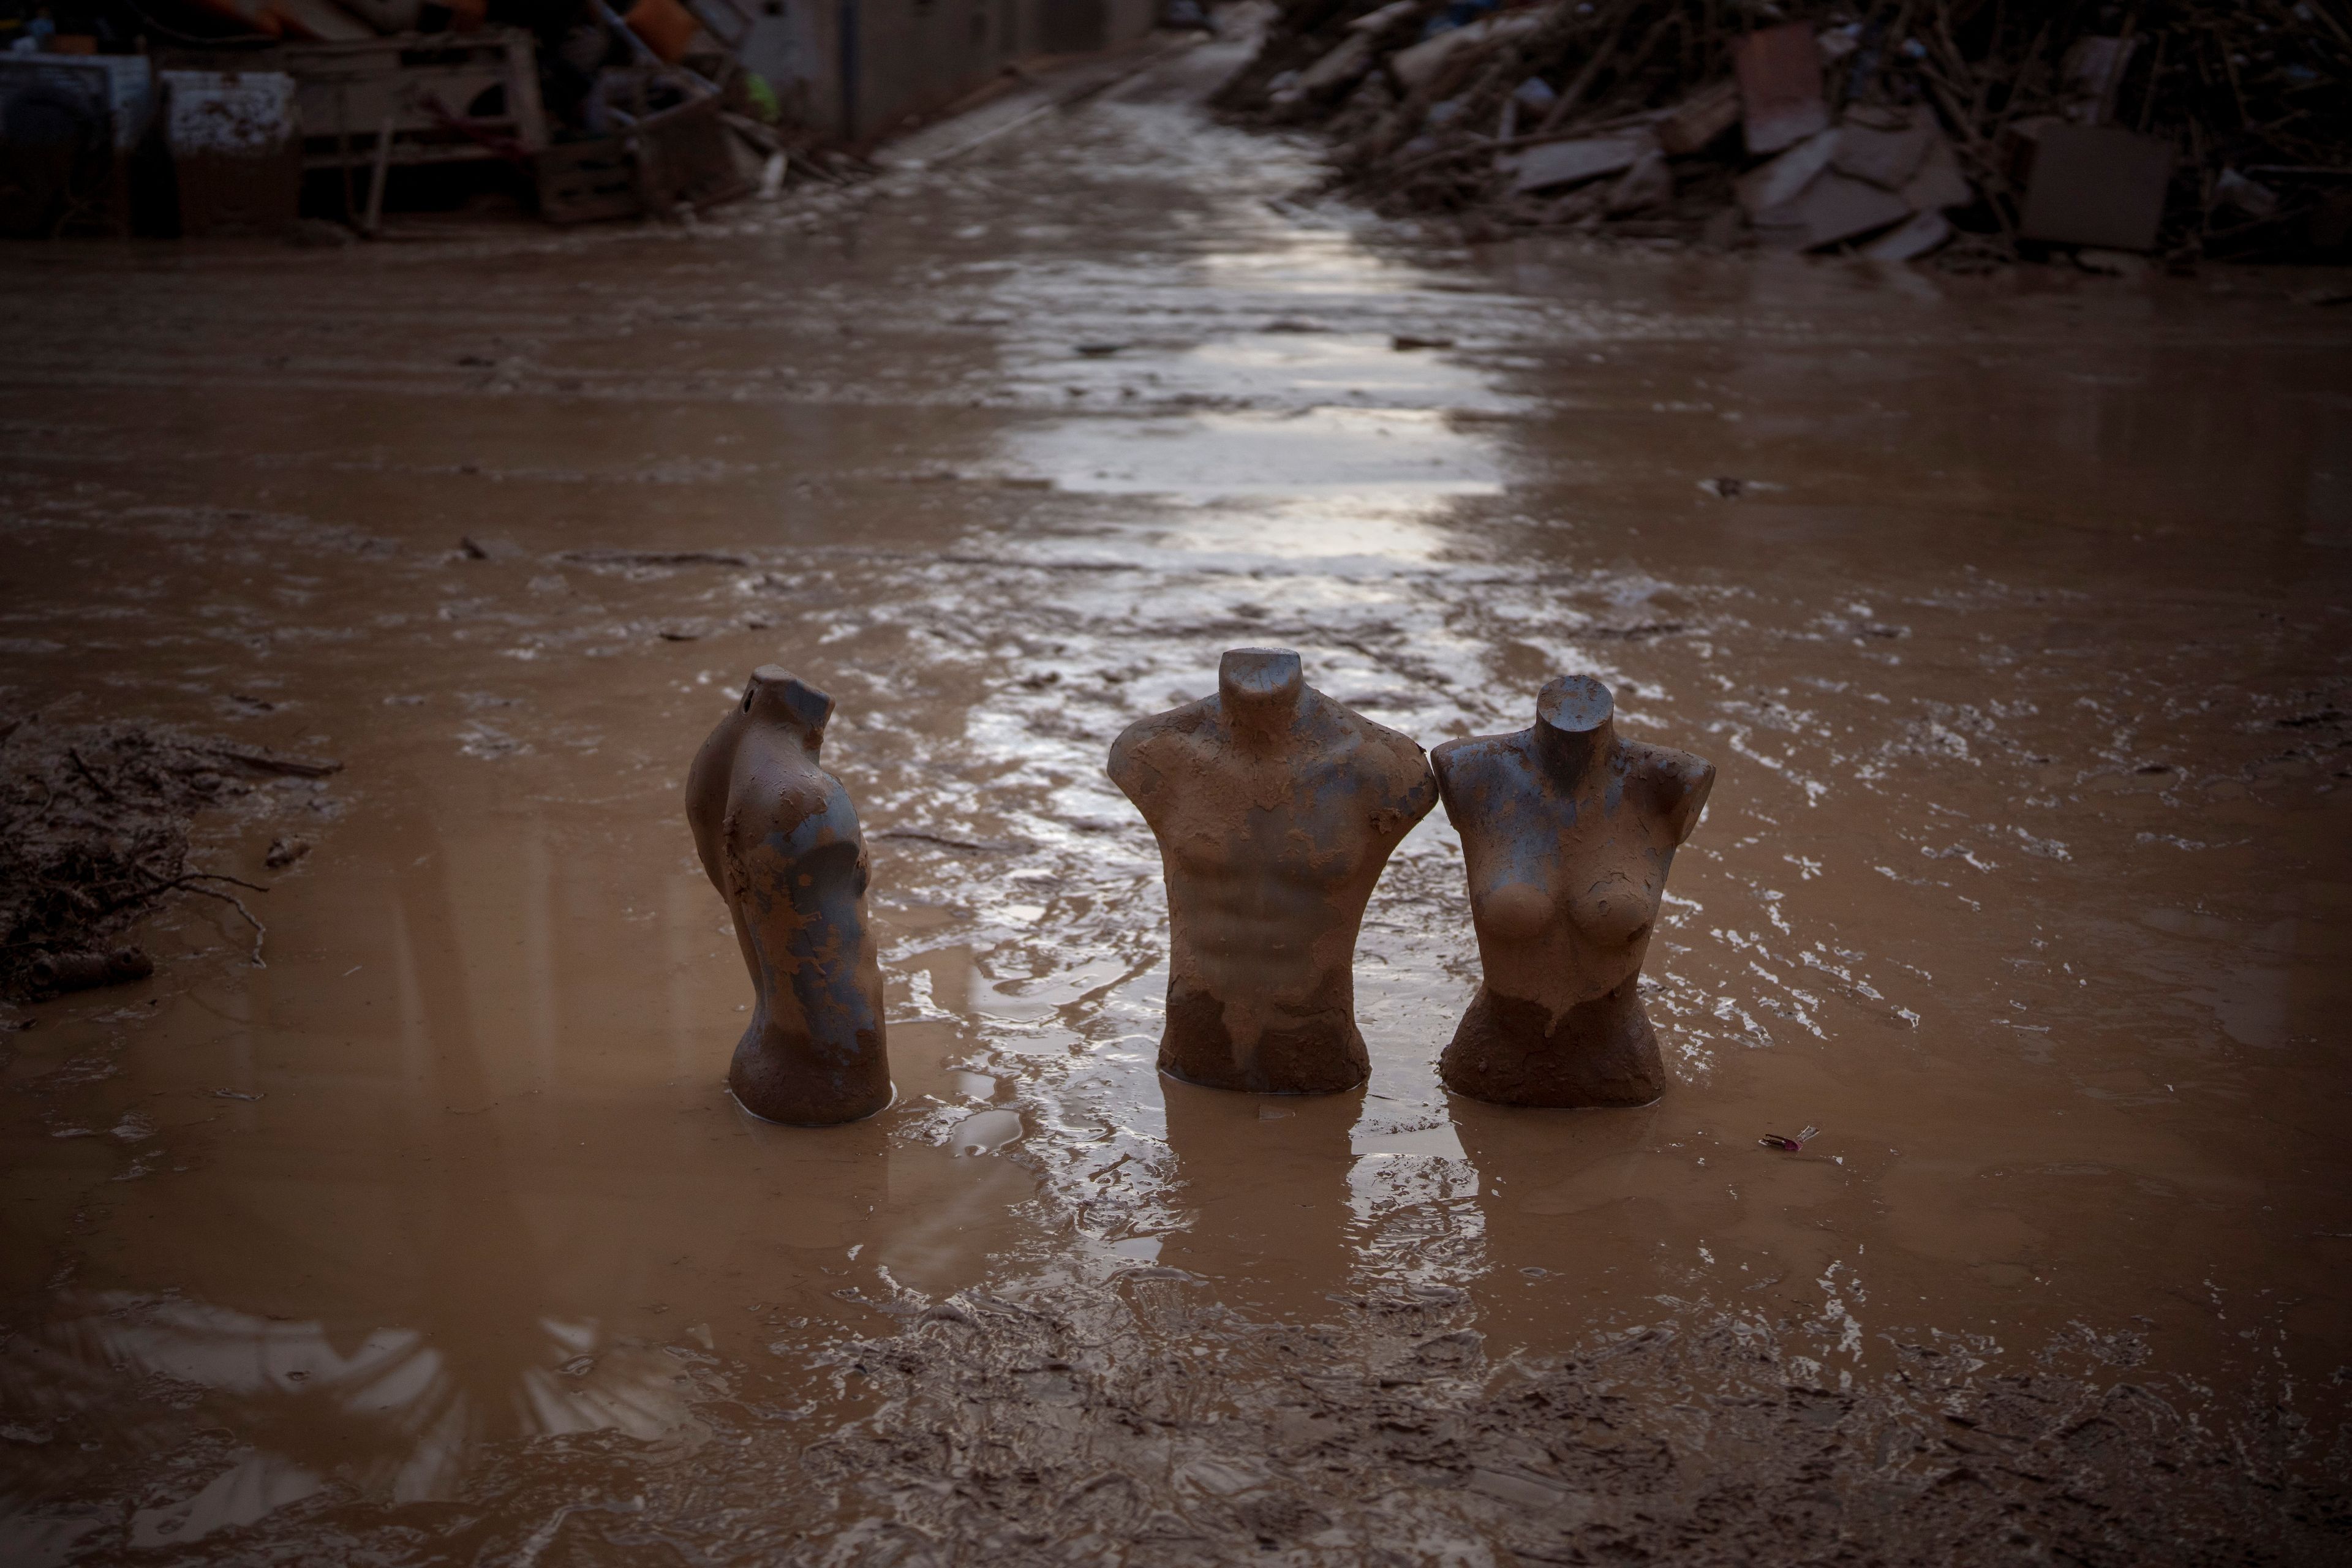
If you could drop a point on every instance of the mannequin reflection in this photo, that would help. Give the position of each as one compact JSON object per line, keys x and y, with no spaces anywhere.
{"x":1275,"y":809}
{"x":1263,"y":1186}
{"x":1566,"y":833}
{"x":1570,"y":1210}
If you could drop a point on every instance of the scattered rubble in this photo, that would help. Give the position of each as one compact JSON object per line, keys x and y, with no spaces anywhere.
{"x":94,"y":824}
{"x":86,"y":971}
{"x":1967,"y":130}
{"x":299,"y":118}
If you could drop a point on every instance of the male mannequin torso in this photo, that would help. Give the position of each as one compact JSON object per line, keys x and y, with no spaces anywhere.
{"x":1275,"y":809}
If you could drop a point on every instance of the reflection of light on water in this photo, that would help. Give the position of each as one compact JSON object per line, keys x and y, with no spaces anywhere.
{"x":1330,"y":365}
{"x":1297,"y":476}
{"x":1322,"y":528}
{"x":397,"y":1413}
{"x":1241,"y":410}
{"x":1287,"y":255}
{"x":260,"y":1484}
{"x":1275,"y":373}
{"x":985,"y":1132}
{"x":1369,"y":1140}
{"x":1388,"y":458}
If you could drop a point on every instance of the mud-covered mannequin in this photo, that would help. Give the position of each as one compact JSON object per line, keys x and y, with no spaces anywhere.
{"x":779,"y":841}
{"x":1567,"y":833}
{"x":1275,"y":809}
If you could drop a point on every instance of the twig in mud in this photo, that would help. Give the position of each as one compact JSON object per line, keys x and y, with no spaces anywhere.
{"x":275,"y":763}
{"x":259,"y":931}
{"x":1478,"y":144}
{"x":921,"y":835}
{"x":225,"y":877}
{"x":173,"y":884}
{"x":653,"y":558}
{"x":95,"y":782}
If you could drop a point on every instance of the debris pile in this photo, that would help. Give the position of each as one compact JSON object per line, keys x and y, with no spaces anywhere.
{"x":94,"y":824}
{"x":307,"y":118}
{"x":1982,"y":130}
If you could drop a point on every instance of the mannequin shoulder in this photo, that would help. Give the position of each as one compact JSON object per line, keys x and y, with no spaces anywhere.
{"x":1157,"y":743}
{"x":1476,"y":761}
{"x":710,"y":775}
{"x":1394,"y":762}
{"x":742,"y":763}
{"x":1666,"y":770}
{"x":825,"y":814}
{"x":1678,"y":780}
{"x":1371,"y":741}
{"x":760,"y":802}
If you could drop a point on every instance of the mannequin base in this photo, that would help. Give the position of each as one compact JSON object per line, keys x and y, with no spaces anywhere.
{"x":1315,"y":1053}
{"x":1600,"y":1053}
{"x":790,"y":1081}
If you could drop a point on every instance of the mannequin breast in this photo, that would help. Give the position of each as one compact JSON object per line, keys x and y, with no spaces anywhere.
{"x":1611,"y":909}
{"x":1261,"y":886}
{"x":1564,"y":889}
{"x":1275,"y":838}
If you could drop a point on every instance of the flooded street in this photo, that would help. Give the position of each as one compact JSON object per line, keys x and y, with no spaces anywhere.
{"x":2013,"y":612}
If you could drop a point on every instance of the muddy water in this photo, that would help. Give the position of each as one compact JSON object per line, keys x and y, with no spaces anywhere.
{"x":2019,"y":636}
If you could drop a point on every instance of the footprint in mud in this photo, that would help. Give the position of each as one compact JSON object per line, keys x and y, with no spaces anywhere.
{"x":985,"y":1132}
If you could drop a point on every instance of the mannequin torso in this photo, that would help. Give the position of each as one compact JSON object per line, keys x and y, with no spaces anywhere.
{"x":780,"y":840}
{"x":1567,"y":834}
{"x":1275,"y":809}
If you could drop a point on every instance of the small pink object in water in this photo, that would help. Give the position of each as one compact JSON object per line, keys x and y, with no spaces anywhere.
{"x":1787,"y":1144}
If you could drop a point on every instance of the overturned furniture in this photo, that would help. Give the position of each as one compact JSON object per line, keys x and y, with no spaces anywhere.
{"x":685,"y":154}
{"x":443,"y":97}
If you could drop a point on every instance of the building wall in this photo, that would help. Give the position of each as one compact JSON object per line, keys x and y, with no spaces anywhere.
{"x":857,"y":69}
{"x":917,"y":55}
{"x":788,"y":49}
{"x":1079,"y":26}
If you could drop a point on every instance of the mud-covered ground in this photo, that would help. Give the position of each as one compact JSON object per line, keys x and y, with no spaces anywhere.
{"x":2013,"y":612}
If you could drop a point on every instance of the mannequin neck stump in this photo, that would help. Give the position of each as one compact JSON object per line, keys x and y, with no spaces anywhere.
{"x":774,"y":696}
{"x":1574,"y":732}
{"x":1259,"y":690}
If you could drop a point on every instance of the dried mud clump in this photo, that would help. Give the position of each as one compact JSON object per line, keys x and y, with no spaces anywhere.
{"x":94,"y":823}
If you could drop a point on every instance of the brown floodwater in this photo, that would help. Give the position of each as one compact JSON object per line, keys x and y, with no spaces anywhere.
{"x":2012,"y":612}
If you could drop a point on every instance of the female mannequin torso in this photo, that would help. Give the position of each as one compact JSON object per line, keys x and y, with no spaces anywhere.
{"x":1567,"y":833}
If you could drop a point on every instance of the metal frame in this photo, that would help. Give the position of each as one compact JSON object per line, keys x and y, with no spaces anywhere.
{"x":374,"y":102}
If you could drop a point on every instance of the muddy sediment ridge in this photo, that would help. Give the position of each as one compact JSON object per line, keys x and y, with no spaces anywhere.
{"x":2011,"y":613}
{"x":1135,"y":1422}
